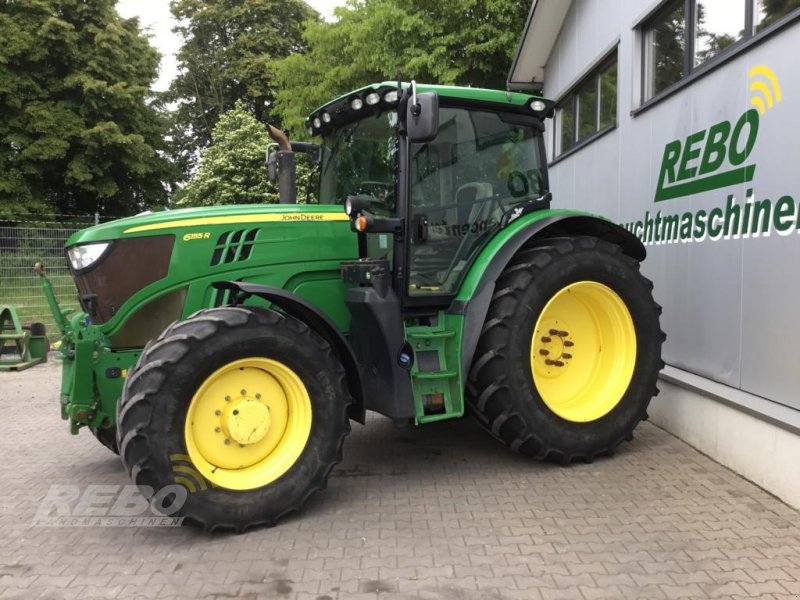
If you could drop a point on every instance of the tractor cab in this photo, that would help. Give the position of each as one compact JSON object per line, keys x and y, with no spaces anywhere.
{"x":428,"y":176}
{"x":433,"y":175}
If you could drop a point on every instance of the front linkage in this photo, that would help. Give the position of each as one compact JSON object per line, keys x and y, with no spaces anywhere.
{"x":92,"y":375}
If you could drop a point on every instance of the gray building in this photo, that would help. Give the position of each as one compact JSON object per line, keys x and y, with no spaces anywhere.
{"x":678,"y":119}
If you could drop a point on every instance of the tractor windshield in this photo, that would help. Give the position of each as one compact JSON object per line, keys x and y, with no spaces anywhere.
{"x":360,"y":159}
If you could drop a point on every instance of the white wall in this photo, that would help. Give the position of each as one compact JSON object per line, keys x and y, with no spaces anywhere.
{"x":729,"y":305}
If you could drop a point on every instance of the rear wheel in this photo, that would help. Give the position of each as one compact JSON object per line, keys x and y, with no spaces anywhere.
{"x":244,"y":408}
{"x":570,"y":352}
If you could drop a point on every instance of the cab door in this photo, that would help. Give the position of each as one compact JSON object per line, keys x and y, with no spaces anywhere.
{"x":480,"y":165}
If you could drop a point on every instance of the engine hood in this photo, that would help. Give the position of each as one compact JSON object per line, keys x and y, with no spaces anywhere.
{"x":192,"y":221}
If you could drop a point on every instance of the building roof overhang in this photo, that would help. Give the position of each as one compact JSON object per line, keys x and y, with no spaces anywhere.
{"x":538,"y":38}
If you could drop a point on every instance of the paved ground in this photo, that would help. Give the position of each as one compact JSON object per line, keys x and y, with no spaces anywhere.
{"x":436,"y":512}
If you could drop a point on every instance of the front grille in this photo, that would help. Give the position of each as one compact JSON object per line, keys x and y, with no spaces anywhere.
{"x":234,"y":246}
{"x":150,"y":320}
{"x":126,"y":267}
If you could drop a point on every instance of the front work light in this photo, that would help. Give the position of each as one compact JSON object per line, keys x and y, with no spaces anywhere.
{"x":317,"y":122}
{"x":390,"y":97}
{"x":86,"y":255}
{"x":356,"y":104}
{"x":538,"y":106}
{"x":372,"y":98}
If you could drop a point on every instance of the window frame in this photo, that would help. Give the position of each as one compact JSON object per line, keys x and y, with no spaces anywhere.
{"x":692,"y":72}
{"x":570,"y":96}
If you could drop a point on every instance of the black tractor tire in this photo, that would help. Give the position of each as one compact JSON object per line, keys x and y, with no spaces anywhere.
{"x":152,"y":413}
{"x":502,"y":393}
{"x":107,"y":437}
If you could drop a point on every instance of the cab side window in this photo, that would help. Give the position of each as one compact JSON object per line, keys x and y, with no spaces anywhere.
{"x":478,"y":167}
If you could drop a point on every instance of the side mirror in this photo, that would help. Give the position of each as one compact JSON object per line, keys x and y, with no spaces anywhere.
{"x":422,"y":117}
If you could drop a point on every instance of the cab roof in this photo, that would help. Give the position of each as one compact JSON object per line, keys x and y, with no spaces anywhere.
{"x":378,"y":97}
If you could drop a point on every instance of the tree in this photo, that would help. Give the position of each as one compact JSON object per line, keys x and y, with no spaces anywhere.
{"x":770,"y":11}
{"x":460,"y":42}
{"x":78,"y":131}
{"x":232,"y":169}
{"x":227,"y":53}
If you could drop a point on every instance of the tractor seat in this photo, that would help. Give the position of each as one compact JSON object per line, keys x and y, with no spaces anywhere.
{"x":467,"y":195}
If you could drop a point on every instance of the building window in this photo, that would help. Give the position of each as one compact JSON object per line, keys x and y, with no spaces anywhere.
{"x":685,"y":34}
{"x":589,"y":108}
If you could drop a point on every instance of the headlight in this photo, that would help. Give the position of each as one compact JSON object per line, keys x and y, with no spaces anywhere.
{"x":84,"y":256}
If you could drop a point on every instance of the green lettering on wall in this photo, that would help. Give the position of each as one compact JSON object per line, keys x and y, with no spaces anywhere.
{"x":714,"y":155}
{"x":686,"y":226}
{"x":691,"y":152}
{"x":672,"y":152}
{"x":700,"y":224}
{"x":761,"y":209}
{"x":681,"y":176}
{"x":784,"y":214}
{"x":749,"y":118}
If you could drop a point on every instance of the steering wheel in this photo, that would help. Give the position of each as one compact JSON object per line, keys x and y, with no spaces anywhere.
{"x":377,"y":194}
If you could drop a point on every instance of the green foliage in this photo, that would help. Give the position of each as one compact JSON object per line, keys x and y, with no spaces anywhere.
{"x":78,"y":131}
{"x":227,"y":53}
{"x":232,"y":169}
{"x":458,"y":42}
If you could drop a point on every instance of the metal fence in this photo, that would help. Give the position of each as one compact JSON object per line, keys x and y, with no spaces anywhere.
{"x":24,"y":243}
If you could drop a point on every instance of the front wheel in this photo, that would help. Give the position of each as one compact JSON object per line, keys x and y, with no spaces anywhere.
{"x":242,"y":407}
{"x":570,"y":352}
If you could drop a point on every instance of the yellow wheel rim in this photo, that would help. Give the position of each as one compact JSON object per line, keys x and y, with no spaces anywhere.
{"x":248,"y":423}
{"x":583,"y":351}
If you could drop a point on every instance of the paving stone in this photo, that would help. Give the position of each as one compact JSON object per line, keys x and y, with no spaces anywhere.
{"x":436,"y":512}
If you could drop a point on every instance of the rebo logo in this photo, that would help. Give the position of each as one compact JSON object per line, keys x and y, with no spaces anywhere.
{"x":714,"y":158}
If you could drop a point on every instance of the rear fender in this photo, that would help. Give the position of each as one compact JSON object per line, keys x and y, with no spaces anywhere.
{"x":476,"y":294}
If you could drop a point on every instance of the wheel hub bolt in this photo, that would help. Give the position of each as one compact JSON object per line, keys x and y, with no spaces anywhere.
{"x":227,"y":398}
{"x":244,"y":392}
{"x":217,"y":412}
{"x":544,"y":352}
{"x":566,"y":356}
{"x":563,"y":334}
{"x":227,"y":441}
{"x":218,"y":429}
{"x":569,"y":344}
{"x":546,"y":339}
{"x":554,"y":332}
{"x":258,"y":396}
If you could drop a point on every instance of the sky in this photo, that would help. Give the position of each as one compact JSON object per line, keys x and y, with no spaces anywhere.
{"x":155,"y":19}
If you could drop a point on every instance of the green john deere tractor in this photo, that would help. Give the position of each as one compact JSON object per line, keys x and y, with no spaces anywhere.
{"x":225,"y":350}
